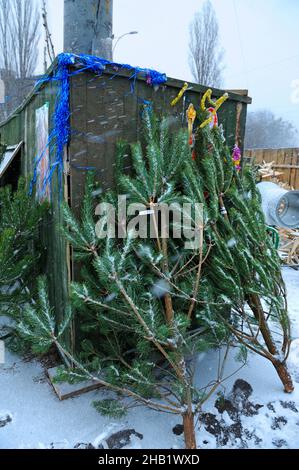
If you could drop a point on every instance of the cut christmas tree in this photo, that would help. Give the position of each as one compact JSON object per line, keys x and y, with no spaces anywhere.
{"x":243,"y":268}
{"x":176,"y":260}
{"x":20,"y":216}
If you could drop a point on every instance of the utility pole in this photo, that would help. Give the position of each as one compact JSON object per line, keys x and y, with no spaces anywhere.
{"x":88,"y":27}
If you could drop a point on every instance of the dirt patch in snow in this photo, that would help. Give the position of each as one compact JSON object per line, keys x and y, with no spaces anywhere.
{"x":5,"y":419}
{"x":232,"y":427}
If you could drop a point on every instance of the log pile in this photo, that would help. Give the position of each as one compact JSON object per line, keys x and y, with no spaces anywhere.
{"x":289,"y":246}
{"x":268,"y":172}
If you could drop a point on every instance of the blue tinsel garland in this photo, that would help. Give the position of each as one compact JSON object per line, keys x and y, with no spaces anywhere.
{"x":60,"y":135}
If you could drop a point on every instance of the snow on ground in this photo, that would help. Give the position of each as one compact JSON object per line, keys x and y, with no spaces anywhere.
{"x":265,"y":417}
{"x":254,"y":413}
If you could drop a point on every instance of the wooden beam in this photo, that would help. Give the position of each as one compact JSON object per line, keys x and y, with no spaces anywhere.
{"x":286,"y":166}
{"x":65,"y":390}
{"x":239,"y":92}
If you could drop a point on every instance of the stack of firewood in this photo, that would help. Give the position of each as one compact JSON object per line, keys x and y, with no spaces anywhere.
{"x":268,"y":173}
{"x":289,"y":246}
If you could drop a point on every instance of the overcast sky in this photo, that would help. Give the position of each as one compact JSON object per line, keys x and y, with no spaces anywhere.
{"x":260,"y":39}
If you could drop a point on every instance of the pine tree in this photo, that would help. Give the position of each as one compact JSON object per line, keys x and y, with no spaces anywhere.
{"x":149,"y":288}
{"x":148,"y":305}
{"x":20,"y":216}
{"x":243,"y":268}
{"x":143,"y":317}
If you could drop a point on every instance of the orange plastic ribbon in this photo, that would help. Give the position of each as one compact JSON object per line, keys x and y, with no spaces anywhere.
{"x":191,"y":116}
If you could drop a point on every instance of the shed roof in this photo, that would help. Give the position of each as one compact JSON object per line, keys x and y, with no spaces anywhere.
{"x":234,"y":95}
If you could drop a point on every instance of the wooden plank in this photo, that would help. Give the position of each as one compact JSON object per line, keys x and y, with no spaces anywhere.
{"x":293,"y":169}
{"x":65,"y":390}
{"x":288,"y":161}
{"x":296,"y":183}
{"x":239,"y":92}
{"x":286,"y":177}
{"x":259,"y":156}
{"x":270,"y":155}
{"x":238,"y":139}
{"x":78,"y":145}
{"x":295,"y":164}
{"x":285,"y":166}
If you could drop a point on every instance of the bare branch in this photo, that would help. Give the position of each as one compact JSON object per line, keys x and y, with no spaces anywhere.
{"x":205,"y":55}
{"x":19,"y":41}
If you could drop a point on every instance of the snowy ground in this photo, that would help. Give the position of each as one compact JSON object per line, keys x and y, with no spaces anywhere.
{"x":255,"y":414}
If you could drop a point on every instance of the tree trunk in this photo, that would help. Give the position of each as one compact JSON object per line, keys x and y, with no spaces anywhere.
{"x":189,"y":431}
{"x":281,"y":368}
{"x":284,"y":375}
{"x":257,"y":308}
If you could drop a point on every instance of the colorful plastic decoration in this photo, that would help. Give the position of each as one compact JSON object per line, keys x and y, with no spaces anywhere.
{"x":191,"y":116}
{"x":215,"y":105}
{"x":180,"y":94}
{"x":220,"y":101}
{"x":211,"y":119}
{"x":206,"y":96}
{"x":237,"y":157}
{"x":214,"y":121}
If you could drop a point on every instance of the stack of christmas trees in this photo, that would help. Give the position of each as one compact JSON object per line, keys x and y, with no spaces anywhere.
{"x":151,"y":298}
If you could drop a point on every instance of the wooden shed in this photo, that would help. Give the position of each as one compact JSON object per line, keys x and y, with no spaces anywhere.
{"x":71,"y":122}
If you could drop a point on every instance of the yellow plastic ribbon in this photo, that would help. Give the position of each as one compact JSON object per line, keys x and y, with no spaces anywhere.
{"x":180,"y":94}
{"x":215,"y":104}
{"x":221,"y":100}
{"x":207,"y":96}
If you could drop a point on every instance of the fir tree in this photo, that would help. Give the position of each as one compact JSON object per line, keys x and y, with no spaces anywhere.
{"x":143,"y":315}
{"x":238,"y":288}
{"x":20,"y":216}
{"x":149,"y":288}
{"x":148,"y":306}
{"x":243,"y":268}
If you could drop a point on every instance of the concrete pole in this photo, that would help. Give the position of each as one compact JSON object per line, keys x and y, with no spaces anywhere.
{"x":88,"y":27}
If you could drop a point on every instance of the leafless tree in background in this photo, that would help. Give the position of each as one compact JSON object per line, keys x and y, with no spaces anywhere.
{"x":49,"y":51}
{"x":5,"y":36}
{"x":205,"y":54}
{"x":265,"y":130}
{"x":19,"y":41}
{"x":24,"y":26}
